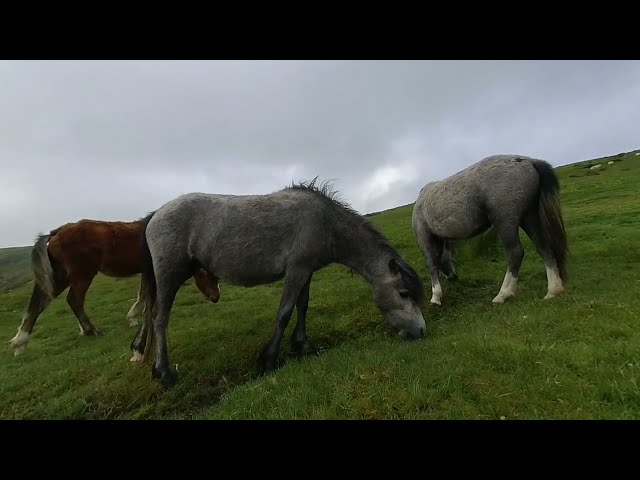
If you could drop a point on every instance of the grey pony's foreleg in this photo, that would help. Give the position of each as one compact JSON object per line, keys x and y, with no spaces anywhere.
{"x":295,"y":281}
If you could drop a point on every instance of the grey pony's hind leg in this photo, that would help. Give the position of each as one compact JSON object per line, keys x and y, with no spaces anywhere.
{"x":295,"y":281}
{"x":168,"y":285}
{"x":508,"y":233}
{"x":299,"y":341}
{"x":531,"y":226}
{"x":446,"y":263}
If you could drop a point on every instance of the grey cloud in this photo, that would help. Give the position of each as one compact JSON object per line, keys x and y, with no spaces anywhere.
{"x":113,"y":140}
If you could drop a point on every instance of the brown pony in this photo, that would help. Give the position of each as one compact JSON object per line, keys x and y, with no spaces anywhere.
{"x":73,"y":254}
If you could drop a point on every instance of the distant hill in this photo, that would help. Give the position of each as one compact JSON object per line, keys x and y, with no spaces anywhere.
{"x":14,"y":267}
{"x":388,"y":210}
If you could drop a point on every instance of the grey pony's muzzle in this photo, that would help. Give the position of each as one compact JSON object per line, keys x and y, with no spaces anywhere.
{"x":412,"y":334}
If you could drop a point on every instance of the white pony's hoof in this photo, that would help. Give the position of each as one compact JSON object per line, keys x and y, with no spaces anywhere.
{"x":436,"y":301}
{"x":133,"y":322}
{"x":137,"y":357}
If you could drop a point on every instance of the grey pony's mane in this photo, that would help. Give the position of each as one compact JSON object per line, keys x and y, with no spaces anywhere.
{"x":325,"y":190}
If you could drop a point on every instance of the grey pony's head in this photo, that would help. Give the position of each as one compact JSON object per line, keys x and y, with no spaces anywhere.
{"x":398,"y":296}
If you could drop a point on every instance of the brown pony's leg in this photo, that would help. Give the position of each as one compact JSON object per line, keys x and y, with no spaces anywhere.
{"x":38,"y":303}
{"x":75,"y":299}
{"x":138,"y":307}
{"x":208,"y":285}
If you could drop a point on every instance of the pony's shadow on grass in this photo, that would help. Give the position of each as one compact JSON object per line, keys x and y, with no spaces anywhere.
{"x":202,"y":383}
{"x":458,"y":295}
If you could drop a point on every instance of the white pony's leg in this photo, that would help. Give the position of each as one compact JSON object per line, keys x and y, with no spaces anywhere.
{"x":554,"y":283}
{"x":508,"y":288}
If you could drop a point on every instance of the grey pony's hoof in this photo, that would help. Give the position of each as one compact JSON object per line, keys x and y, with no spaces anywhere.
{"x":266,"y":364}
{"x":165,"y":376}
{"x":304,"y":348}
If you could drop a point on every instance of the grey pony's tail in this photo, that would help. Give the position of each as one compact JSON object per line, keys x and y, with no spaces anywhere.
{"x":551,"y":215}
{"x":148,"y":291}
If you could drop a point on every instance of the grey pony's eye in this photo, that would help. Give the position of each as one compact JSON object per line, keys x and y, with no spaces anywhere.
{"x":403,"y":293}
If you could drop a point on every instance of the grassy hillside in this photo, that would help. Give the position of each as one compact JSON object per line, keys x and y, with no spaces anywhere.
{"x":577,"y":356}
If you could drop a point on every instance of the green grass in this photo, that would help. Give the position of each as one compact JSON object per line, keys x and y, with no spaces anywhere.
{"x":575,"y":357}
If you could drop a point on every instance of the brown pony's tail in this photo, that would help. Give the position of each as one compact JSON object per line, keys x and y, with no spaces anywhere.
{"x":148,"y":291}
{"x":551,"y":215}
{"x":41,"y":264}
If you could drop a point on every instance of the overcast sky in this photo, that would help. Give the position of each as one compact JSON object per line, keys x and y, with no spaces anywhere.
{"x":112,"y":140}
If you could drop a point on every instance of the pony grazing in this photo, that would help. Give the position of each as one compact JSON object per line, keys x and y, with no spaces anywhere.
{"x":503,"y":191}
{"x":251,"y":240}
{"x":73,"y":254}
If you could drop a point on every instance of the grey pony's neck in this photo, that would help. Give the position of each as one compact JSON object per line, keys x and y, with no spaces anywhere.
{"x":365,"y":258}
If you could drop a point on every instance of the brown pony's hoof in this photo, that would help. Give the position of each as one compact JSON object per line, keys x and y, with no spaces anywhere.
{"x":93,"y":332}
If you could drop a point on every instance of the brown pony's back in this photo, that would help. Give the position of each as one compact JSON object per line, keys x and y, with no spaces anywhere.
{"x":88,"y":247}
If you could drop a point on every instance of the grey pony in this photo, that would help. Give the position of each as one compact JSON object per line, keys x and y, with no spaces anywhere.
{"x":504,"y":192}
{"x":250,"y":240}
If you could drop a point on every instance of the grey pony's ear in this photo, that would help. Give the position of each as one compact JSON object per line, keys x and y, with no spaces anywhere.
{"x":393,"y":266}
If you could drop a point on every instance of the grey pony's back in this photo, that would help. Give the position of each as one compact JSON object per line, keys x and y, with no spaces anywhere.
{"x":246,"y":239}
{"x":499,"y":184}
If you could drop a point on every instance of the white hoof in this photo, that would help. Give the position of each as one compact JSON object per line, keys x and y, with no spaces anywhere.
{"x":436,"y":301}
{"x":19,"y":342}
{"x":554,"y":294}
{"x":19,"y":350}
{"x":137,"y":357}
{"x":133,"y":322}
{"x":501,"y":298}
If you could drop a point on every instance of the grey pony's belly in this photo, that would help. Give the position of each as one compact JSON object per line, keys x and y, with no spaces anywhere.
{"x":251,"y":280}
{"x":458,"y":229}
{"x":455,"y":216}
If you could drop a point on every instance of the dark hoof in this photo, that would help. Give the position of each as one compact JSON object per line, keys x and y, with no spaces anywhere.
{"x":166,"y":377}
{"x":266,"y":364}
{"x":92,"y":332}
{"x":453,"y":278}
{"x":304,"y":348}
